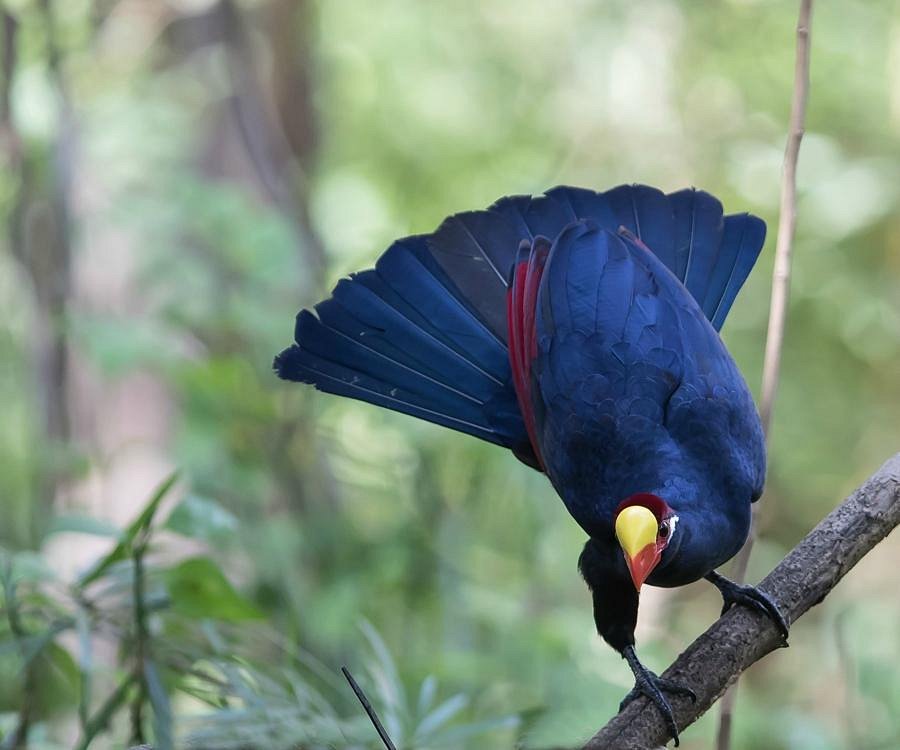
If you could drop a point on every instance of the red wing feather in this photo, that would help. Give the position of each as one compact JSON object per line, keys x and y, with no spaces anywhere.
{"x":521,"y":303}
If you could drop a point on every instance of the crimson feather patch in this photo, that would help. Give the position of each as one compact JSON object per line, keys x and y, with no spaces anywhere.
{"x":521,"y":301}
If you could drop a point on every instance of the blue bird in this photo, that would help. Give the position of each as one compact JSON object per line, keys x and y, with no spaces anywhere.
{"x":579,"y":329}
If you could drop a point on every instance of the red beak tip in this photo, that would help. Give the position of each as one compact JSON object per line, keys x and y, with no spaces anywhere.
{"x":642,"y":564}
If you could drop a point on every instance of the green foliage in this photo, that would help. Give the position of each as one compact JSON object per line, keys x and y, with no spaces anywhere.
{"x":125,"y":546}
{"x":202,"y":518}
{"x":175,"y":642}
{"x":198,"y":589}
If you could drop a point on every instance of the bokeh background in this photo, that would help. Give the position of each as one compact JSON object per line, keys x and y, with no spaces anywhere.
{"x":179,"y":178}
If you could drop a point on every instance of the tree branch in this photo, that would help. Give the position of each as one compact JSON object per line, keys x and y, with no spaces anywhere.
{"x":787,"y":220}
{"x":741,"y":637}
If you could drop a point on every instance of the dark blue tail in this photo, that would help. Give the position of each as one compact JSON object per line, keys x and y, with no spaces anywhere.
{"x":403,"y":337}
{"x":425,"y":331}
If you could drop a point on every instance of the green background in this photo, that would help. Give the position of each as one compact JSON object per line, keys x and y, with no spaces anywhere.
{"x":191,"y":173}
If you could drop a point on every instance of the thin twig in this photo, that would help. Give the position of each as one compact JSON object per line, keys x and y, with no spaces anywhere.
{"x":787,"y":220}
{"x":780,"y":294}
{"x":743,"y":636}
{"x":781,"y":286}
{"x":141,"y":646}
{"x":103,"y":717}
{"x":385,"y":738}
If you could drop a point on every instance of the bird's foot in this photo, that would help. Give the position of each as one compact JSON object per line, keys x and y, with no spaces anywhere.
{"x":651,"y":686}
{"x":750,"y":596}
{"x":654,"y":682}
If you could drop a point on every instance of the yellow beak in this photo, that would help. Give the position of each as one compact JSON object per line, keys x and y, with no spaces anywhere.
{"x":636,"y":529}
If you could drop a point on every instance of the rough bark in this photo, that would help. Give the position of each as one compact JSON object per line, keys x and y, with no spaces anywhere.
{"x":741,"y":637}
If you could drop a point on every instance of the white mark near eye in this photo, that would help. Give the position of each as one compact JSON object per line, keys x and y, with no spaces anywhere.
{"x":672,"y":521}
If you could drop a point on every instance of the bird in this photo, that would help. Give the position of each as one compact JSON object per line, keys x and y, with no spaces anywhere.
{"x":580,"y":330}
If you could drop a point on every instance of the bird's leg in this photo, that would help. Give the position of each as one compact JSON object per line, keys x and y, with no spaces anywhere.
{"x":648,"y":684}
{"x":749,"y":596}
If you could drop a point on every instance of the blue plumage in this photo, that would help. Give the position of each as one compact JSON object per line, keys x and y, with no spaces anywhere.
{"x":425,"y":332}
{"x":742,"y":240}
{"x":620,"y":371}
{"x":398,"y":337}
{"x":605,"y":345}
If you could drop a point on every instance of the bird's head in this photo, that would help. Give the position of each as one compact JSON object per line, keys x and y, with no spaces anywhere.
{"x":645,"y":525}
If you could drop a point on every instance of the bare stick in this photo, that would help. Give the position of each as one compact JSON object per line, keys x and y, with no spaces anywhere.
{"x":781,"y":287}
{"x":141,"y":642}
{"x":385,"y":738}
{"x":787,"y":220}
{"x":742,"y":636}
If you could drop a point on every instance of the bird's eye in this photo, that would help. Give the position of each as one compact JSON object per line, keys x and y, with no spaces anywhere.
{"x":664,"y":530}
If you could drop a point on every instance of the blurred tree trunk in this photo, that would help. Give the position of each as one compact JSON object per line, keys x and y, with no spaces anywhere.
{"x":264,"y":138}
{"x":39,"y":238}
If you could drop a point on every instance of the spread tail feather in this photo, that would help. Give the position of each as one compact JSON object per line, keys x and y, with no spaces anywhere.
{"x":426,"y":331}
{"x":399,"y":336}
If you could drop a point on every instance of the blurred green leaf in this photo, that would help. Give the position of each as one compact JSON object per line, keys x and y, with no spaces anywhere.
{"x":387,"y":680}
{"x":118,"y":346}
{"x":202,"y":518}
{"x":162,"y":710}
{"x":16,"y":567}
{"x":57,"y":671}
{"x":100,"y":721}
{"x":454,"y":736}
{"x":122,"y":550}
{"x":426,"y":695}
{"x":85,"y":664}
{"x":199,"y":590}
{"x":34,"y":646}
{"x":441,"y":715}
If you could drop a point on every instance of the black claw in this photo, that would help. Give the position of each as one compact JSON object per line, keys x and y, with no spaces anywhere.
{"x":649,"y":685}
{"x":661,"y":683}
{"x":749,"y":596}
{"x":676,"y":688}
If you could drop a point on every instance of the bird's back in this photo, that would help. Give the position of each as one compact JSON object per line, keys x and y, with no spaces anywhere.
{"x":635,"y":389}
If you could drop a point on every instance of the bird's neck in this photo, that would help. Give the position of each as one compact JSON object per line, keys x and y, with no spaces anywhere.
{"x":708,"y":535}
